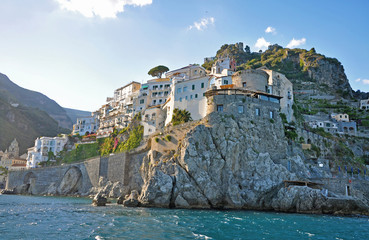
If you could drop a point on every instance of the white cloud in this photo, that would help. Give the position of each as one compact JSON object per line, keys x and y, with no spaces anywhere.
{"x":101,"y":8}
{"x":364,"y":81}
{"x":261,"y":43}
{"x":270,"y":30}
{"x":296,"y":42}
{"x":202,"y":24}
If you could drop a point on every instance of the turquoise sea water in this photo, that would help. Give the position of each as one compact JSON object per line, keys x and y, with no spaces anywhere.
{"x":29,"y":217}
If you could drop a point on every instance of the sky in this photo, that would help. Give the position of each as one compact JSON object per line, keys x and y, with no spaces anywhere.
{"x":77,"y":52}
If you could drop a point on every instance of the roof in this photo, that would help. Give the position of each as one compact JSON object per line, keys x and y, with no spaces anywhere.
{"x":18,"y":165}
{"x":127,"y":85}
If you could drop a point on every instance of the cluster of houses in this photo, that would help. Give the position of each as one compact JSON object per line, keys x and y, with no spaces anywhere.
{"x":184,"y":88}
{"x":336,"y":123}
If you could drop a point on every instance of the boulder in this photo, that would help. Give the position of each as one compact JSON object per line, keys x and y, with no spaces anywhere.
{"x":99,"y":200}
{"x":132,"y":200}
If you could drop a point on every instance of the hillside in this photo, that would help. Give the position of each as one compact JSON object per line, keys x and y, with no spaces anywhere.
{"x":12,"y":93}
{"x":73,"y":114}
{"x":25,"y":124}
{"x":307,"y":70}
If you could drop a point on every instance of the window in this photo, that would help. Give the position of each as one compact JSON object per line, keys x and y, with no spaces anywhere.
{"x":196,"y":95}
{"x":257,"y":111}
{"x":271,"y":114}
{"x":180,"y":99}
{"x":184,"y":89}
{"x":244,"y":84}
{"x":179,"y":90}
{"x":203,"y":94}
{"x":193,"y":87}
{"x":155,"y":87}
{"x":186,"y":97}
{"x":160,"y":101}
{"x":161,"y":86}
{"x":142,"y":101}
{"x":225,"y":82}
{"x":202,"y":85}
{"x":154,"y":101}
{"x":191,"y":97}
{"x":219,"y":108}
{"x":240,"y":109}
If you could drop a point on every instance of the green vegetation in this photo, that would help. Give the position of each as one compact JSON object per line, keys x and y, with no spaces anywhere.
{"x":3,"y":171}
{"x":290,"y":134}
{"x":81,"y":152}
{"x":207,"y":65}
{"x":180,"y":116}
{"x":168,"y":138}
{"x":158,"y":71}
{"x":283,"y":117}
{"x":134,"y":140}
{"x":157,"y":139}
{"x":316,"y":149}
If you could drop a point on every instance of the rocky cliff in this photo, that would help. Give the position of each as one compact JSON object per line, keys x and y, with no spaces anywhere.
{"x":306,"y":69}
{"x":230,"y":162}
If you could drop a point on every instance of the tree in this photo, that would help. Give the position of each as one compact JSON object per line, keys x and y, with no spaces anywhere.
{"x":3,"y":171}
{"x":158,"y":71}
{"x":180,"y":116}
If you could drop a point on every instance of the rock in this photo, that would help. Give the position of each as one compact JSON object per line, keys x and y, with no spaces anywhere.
{"x":7,"y":191}
{"x":116,"y":190}
{"x":52,"y":189}
{"x":120,"y":199}
{"x":99,"y":200}
{"x":132,"y":200}
{"x":301,"y":199}
{"x":71,"y":182}
{"x":22,"y":189}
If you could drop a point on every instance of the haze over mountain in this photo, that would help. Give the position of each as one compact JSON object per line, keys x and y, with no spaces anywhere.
{"x":26,"y":115}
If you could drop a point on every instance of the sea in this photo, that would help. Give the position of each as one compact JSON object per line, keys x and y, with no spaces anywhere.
{"x":33,"y":217}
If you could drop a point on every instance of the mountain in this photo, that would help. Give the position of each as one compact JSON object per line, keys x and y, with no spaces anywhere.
{"x":12,"y":93}
{"x":25,"y":124}
{"x":74,"y":114}
{"x":306,"y":69}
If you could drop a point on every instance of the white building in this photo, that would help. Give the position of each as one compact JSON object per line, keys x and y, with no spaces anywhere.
{"x":327,"y":125}
{"x":154,"y":92}
{"x":364,"y":104}
{"x":86,"y":125}
{"x":153,"y":119}
{"x":189,"y":85}
{"x":44,"y":145}
{"x":221,"y":73}
{"x":119,"y":110}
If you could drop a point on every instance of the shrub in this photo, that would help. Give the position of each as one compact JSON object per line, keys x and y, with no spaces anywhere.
{"x":168,"y":138}
{"x":157,"y":139}
{"x":180,"y":116}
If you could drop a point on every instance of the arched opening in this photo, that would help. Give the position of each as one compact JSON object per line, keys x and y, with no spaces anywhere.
{"x":309,"y":141}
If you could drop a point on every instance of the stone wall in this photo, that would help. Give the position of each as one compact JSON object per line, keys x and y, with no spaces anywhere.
{"x":256,"y":80}
{"x":231,"y":103}
{"x":114,"y":168}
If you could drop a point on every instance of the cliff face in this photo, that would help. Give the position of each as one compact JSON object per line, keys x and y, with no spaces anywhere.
{"x":223,"y":163}
{"x":231,"y":162}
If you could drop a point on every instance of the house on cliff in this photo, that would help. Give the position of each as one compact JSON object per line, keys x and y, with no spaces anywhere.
{"x":189,"y":85}
{"x":267,"y":81}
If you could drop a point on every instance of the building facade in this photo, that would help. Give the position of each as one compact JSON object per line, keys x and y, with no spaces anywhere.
{"x":86,"y":125}
{"x":43,"y":148}
{"x":189,"y":85}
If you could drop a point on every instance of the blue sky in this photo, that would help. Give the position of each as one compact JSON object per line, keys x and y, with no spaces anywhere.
{"x":78,"y":51}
